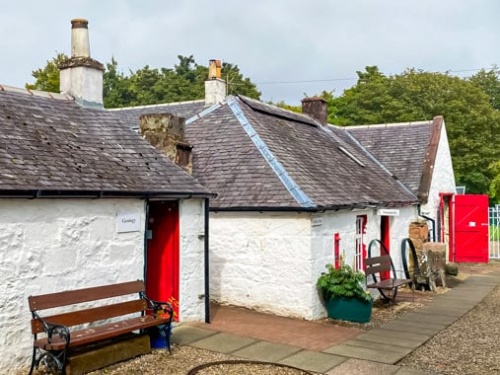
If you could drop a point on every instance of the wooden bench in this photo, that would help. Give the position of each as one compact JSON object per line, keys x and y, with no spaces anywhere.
{"x":387,"y":282}
{"x":65,"y":336}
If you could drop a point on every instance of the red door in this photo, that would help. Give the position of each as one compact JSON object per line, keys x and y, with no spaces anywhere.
{"x":470,"y":239}
{"x":385,"y":239}
{"x":162,"y":272}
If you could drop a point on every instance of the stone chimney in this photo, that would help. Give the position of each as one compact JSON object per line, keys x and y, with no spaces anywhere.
{"x":215,"y":87}
{"x":81,"y":76}
{"x":166,"y":132}
{"x":316,"y":108}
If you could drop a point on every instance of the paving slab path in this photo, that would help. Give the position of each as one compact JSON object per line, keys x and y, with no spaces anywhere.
{"x":330,"y":349}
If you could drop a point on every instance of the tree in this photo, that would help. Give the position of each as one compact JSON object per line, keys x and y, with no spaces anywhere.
{"x":495,"y":183}
{"x":282,"y":104}
{"x":47,"y":78}
{"x":473,"y":124}
{"x":115,"y":86}
{"x":489,"y":82}
{"x":185,"y":81}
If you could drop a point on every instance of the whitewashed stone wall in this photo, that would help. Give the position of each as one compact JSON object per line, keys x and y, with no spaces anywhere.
{"x":443,"y":178}
{"x":50,"y":245}
{"x":262,"y":261}
{"x":192,"y":282}
{"x":399,"y":229}
{"x":270,"y":262}
{"x":53,"y":245}
{"x":344,"y":223}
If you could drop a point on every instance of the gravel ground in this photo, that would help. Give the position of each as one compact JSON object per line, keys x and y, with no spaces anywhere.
{"x":185,"y":358}
{"x":469,"y":346}
{"x":246,"y":368}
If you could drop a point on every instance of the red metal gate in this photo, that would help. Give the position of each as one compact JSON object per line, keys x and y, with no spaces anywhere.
{"x":470,"y":229}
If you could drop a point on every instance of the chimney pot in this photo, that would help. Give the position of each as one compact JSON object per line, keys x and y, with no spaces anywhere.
{"x":316,"y":108}
{"x":81,"y":76}
{"x":215,"y":87}
{"x":80,"y":44}
{"x":214,"y":69}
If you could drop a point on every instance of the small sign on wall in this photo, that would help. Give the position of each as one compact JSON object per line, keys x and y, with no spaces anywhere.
{"x":387,"y":212}
{"x":317,"y":221}
{"x":128,"y":222}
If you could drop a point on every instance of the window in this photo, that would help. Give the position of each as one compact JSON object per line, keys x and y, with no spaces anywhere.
{"x":360,"y":256}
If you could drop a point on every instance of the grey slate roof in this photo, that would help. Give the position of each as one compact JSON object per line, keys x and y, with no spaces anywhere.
{"x":226,"y":161}
{"x":400,"y":147}
{"x":49,"y":144}
{"x":130,"y":115}
{"x":322,"y":165}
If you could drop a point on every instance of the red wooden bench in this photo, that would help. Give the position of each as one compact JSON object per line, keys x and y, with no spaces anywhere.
{"x":66,"y":331}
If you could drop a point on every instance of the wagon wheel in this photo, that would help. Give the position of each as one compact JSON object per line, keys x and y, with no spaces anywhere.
{"x":386,"y":295}
{"x":413,"y":253}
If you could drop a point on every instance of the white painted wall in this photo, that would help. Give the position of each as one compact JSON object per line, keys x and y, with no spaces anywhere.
{"x":262,"y":261}
{"x":443,"y":178}
{"x":270,"y":262}
{"x":215,"y":91}
{"x":54,"y":245}
{"x":49,"y":245}
{"x":192,"y":282}
{"x":344,"y":223}
{"x":83,"y":82}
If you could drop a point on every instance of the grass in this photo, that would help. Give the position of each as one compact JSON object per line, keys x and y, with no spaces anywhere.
{"x":494,"y":233}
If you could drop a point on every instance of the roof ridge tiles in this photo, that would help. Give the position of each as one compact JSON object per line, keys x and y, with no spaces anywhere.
{"x":387,"y":125}
{"x":42,"y":94}
{"x":277,"y":111}
{"x":157,"y":105}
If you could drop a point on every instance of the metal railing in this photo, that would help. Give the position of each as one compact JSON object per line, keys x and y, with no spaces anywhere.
{"x":494,"y":231}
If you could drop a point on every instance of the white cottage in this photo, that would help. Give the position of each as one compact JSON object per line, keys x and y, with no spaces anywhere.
{"x":84,"y":202}
{"x":418,"y":153}
{"x":295,"y":193}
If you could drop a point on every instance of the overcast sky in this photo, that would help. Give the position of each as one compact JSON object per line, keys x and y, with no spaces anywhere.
{"x":272,"y":41}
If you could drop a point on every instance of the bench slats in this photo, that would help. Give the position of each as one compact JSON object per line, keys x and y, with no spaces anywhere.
{"x":74,"y":318}
{"x":47,"y":301}
{"x":376,"y":269}
{"x":103,"y":332}
{"x":100,"y":330}
{"x":384,"y":259}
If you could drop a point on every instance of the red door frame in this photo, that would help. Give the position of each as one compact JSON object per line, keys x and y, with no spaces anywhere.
{"x":451,"y":221}
{"x":162,"y":253}
{"x":360,"y":256}
{"x":336,"y":250}
{"x":385,"y":239}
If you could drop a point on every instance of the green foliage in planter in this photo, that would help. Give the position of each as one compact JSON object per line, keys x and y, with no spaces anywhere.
{"x":343,"y":282}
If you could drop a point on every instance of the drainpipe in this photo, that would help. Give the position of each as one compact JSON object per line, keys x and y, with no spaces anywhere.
{"x":207,"y":269}
{"x":433,"y":221}
{"x":146,"y":210}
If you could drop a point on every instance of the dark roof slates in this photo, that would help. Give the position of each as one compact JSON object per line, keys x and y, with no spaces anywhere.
{"x":55,"y":144}
{"x":310,"y":154}
{"x":399,"y":147}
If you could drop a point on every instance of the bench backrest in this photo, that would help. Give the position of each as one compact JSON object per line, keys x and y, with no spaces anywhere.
{"x":377,"y":264}
{"x":87,"y":315}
